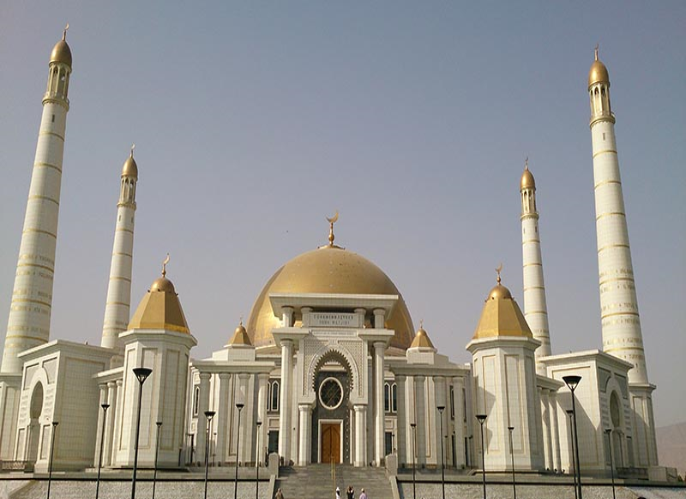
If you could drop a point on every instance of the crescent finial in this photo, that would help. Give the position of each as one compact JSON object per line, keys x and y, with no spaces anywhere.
{"x":332,"y":221}
{"x":498,"y":270}
{"x":164,"y":265}
{"x":64,"y":33}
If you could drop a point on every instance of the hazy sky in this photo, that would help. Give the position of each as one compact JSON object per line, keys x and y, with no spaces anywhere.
{"x":254,"y":121}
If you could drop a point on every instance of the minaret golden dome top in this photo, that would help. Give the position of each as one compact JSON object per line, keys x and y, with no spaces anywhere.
{"x":527,"y":181}
{"x":598,"y":72}
{"x":160,"y":308}
{"x":421,"y":339}
{"x":130,"y":168}
{"x":61,"y":51}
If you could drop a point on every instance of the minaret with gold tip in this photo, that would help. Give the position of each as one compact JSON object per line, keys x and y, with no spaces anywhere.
{"x":621,"y":325}
{"x":29,"y":319}
{"x":118,"y":303}
{"x":535,"y":307}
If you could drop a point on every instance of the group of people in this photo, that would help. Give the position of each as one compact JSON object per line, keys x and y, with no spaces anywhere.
{"x":350,"y":493}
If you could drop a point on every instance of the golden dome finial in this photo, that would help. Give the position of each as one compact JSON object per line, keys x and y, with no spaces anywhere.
{"x":133,"y":146}
{"x":526,"y":163}
{"x":332,"y":221}
{"x":596,"y":51}
{"x":164,"y":265}
{"x":64,"y":33}
{"x":498,"y":271}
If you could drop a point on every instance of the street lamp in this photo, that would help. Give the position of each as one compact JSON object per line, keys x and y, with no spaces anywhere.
{"x":572,"y":382}
{"x":571,"y":439}
{"x":257,"y":461}
{"x":441,"y":408}
{"x":612,"y":466}
{"x":514,"y":487}
{"x":157,"y":453}
{"x":239,"y":406}
{"x":208,"y":415}
{"x":414,"y":464}
{"x":102,"y":444}
{"x":141,"y":374}
{"x":482,"y":420}
{"x":52,"y":450}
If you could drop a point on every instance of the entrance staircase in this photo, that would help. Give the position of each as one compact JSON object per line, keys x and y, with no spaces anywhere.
{"x":319,"y":481}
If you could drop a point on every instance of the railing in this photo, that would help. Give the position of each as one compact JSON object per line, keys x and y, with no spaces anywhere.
{"x":16,"y":466}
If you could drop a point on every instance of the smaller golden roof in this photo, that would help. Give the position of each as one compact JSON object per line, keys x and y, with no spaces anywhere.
{"x":61,"y":51}
{"x":421,"y":339}
{"x":501,"y":316}
{"x":160,"y":308}
{"x":598,"y":72}
{"x":240,"y":336}
{"x":527,"y":181}
{"x":130,"y":168}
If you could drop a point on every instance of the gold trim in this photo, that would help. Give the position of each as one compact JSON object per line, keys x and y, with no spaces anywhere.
{"x":624,"y":349}
{"x":613,"y":279}
{"x":527,"y":288}
{"x":609,"y":246}
{"x":610,"y":213}
{"x":117,"y":303}
{"x":605,"y":182}
{"x":45,"y":132}
{"x":529,"y":264}
{"x":605,"y":316}
{"x":121,"y":229}
{"x":536,"y":312}
{"x":120,"y":279}
{"x":121,"y":253}
{"x":604,"y":152}
{"x":45,"y":198}
{"x":36,"y":265}
{"x":47,"y":165}
{"x":531,"y":241}
{"x":29,"y":300}
{"x":39,"y":231}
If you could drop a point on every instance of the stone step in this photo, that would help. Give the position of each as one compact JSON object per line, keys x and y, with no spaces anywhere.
{"x":317,"y":482}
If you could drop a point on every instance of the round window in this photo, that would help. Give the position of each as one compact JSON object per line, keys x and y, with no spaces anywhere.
{"x":331,"y":393}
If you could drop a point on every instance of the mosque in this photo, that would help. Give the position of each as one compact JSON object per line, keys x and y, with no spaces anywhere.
{"x":329,"y":367}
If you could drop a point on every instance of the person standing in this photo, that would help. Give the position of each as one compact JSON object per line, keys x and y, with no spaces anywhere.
{"x":338,"y":493}
{"x":363,"y":494}
{"x":279,"y":495}
{"x":350,"y":493}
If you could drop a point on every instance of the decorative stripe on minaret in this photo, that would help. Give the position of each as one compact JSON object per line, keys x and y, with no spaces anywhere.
{"x":535,"y":307}
{"x":28,"y":324}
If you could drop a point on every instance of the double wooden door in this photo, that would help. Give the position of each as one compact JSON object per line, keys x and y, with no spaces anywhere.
{"x":331,"y":442}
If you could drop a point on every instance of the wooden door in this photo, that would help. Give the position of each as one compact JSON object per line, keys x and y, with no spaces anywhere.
{"x":331,"y":443}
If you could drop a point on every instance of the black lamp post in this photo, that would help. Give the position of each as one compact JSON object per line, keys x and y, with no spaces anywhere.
{"x":157,"y":453}
{"x":414,"y":464}
{"x":482,"y":420}
{"x":102,"y":444}
{"x":441,"y":408}
{"x":612,"y":466}
{"x":141,"y":374}
{"x":571,"y":439}
{"x":514,"y":487}
{"x":572,"y":382}
{"x":257,"y":461}
{"x":52,"y":450}
{"x":208,"y":415}
{"x":239,"y":406}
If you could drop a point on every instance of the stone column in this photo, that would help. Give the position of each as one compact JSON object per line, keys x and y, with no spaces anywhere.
{"x":201,"y":429}
{"x":246,"y":418}
{"x":379,"y":349}
{"x":547,"y":434}
{"x":458,"y":386}
{"x":439,"y":398}
{"x":360,"y":435}
{"x":403,"y":424}
{"x":420,"y":402}
{"x":118,"y":415}
{"x":305,"y":435}
{"x":555,"y":431}
{"x":109,"y":428}
{"x":285,"y":408}
{"x":262,"y":394}
{"x":101,"y":423}
{"x":222,"y":417}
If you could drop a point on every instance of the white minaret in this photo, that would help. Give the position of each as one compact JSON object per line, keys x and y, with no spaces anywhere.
{"x":119,"y":288}
{"x":535,"y":307}
{"x":621,"y":325}
{"x":29,"y":319}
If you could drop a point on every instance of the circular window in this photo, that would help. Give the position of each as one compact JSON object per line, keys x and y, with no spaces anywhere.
{"x":331,"y":393}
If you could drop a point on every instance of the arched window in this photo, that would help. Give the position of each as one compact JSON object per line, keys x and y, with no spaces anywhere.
{"x":274,"y":396}
{"x":386,"y":397}
{"x":452,"y":403}
{"x":196,"y":400}
{"x":394,"y":398}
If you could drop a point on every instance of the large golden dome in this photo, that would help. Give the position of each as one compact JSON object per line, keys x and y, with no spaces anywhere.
{"x":329,"y":269}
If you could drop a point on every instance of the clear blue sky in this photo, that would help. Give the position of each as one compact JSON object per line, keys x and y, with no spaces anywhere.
{"x":255,"y":120}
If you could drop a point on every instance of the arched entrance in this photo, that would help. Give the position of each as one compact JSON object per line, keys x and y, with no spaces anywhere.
{"x":35,"y":410}
{"x":617,"y":427}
